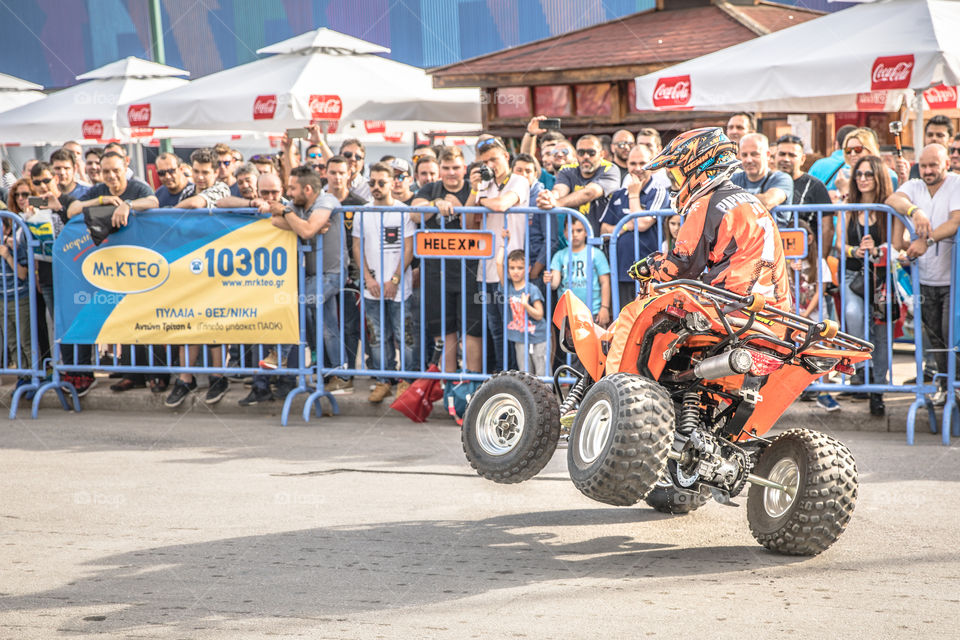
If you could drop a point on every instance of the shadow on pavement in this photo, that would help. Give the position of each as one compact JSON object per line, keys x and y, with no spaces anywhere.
{"x":316,"y":573}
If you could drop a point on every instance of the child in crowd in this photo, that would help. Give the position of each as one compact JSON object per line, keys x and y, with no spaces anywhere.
{"x":526,"y":328}
{"x":569,"y":268}
{"x":670,"y":232}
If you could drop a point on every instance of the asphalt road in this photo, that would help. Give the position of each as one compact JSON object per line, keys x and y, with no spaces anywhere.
{"x":201,"y":526}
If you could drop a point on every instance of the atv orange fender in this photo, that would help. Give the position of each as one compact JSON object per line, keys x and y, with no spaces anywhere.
{"x":571,"y":313}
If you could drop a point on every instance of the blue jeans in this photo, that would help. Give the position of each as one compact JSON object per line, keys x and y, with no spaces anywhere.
{"x":853,"y":311}
{"x":331,"y":326}
{"x":385,"y":336}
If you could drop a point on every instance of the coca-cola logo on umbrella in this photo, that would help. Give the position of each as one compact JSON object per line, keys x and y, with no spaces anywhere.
{"x":891,"y":72}
{"x":264,"y":107}
{"x":139,"y":115}
{"x":672,"y":92}
{"x":873,"y":101}
{"x":92,"y":129}
{"x":325,"y":107}
{"x":941,"y":97}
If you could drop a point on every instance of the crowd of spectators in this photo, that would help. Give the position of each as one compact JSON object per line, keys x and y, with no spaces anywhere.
{"x":375,"y":288}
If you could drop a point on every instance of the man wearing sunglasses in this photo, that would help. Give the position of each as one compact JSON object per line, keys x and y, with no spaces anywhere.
{"x":585,"y":186}
{"x":621,"y":143}
{"x":226,"y":166}
{"x":402,"y":181}
{"x":173,"y":183}
{"x":353,"y":150}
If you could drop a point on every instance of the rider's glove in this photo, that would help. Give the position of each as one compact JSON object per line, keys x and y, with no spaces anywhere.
{"x":640,"y":270}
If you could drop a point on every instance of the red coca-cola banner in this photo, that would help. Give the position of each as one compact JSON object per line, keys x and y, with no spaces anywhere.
{"x":264,"y":107}
{"x":872,"y":101}
{"x":374,"y":126}
{"x":392,"y":137}
{"x":891,"y":72}
{"x":941,"y":97}
{"x":325,"y":107}
{"x":672,"y":93}
{"x":139,"y":115}
{"x":92,"y":129}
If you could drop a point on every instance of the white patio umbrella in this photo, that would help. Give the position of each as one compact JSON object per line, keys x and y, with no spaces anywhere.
{"x":87,"y":112}
{"x":320,"y":75}
{"x":866,"y":58}
{"x":15,"y":92}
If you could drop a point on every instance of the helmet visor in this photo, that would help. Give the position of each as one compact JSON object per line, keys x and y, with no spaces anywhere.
{"x":676,"y":178}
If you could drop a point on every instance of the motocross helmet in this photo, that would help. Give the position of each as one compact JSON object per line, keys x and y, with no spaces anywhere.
{"x":696,"y":161}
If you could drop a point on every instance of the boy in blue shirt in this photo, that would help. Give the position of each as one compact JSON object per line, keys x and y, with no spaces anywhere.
{"x":526,"y":327}
{"x":569,"y":269}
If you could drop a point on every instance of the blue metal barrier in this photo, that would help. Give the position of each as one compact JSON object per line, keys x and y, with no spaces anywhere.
{"x":471,"y":306}
{"x":951,"y":410}
{"x":19,"y":307}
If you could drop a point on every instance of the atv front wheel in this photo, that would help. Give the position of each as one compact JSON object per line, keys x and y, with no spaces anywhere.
{"x":824,"y":475}
{"x":511,"y":427}
{"x":620,"y":439}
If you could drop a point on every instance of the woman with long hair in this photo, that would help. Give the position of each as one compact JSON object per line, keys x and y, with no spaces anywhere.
{"x":864,"y":234}
{"x":18,"y":200}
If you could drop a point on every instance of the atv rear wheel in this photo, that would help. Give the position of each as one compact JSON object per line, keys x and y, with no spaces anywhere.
{"x":620,"y":439}
{"x":824,"y":474}
{"x":511,"y":427}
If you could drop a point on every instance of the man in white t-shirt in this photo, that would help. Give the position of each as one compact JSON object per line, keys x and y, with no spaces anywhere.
{"x":504,"y":191}
{"x":385,"y":252}
{"x":933,"y":204}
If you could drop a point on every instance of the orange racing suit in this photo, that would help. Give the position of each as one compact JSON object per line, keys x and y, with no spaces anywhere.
{"x":729,"y":233}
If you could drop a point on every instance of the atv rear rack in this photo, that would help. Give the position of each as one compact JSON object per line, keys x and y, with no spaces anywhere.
{"x":755,"y":305}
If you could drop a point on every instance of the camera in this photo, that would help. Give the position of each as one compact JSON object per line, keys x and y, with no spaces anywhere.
{"x":37,"y":203}
{"x":486,"y":173}
{"x":896,"y":127}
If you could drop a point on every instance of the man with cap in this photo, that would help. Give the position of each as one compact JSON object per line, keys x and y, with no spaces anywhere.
{"x":402,"y":181}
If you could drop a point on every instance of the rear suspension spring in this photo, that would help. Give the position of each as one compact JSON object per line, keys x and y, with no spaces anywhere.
{"x":689,"y":413}
{"x":574,"y":396}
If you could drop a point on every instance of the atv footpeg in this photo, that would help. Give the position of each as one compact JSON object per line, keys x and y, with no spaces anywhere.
{"x":722,"y":497}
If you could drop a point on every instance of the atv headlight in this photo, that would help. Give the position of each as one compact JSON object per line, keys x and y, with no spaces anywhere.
{"x":818,"y":364}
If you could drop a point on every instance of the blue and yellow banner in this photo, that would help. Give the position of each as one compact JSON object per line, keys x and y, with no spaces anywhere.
{"x":177,"y":277}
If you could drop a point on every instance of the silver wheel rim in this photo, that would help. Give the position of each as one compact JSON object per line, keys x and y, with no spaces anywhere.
{"x":499,"y":424}
{"x":594,"y":431}
{"x":787,"y":473}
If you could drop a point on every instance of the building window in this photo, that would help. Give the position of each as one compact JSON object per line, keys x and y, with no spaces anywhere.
{"x":553,"y":100}
{"x":512,"y":102}
{"x":594,"y":99}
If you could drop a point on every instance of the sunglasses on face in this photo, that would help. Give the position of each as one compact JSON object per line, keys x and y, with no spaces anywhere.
{"x":853,"y":150}
{"x":864,"y":174}
{"x":378,"y":183}
{"x":789,"y":139}
{"x":587,"y":152}
{"x":622,"y":145}
{"x":225,"y":163}
{"x":314,"y":154}
{"x":318,"y":166}
{"x":400,"y":177}
{"x":165,"y":172}
{"x":561,"y":152}
{"x":23,"y":194}
{"x":954,"y":150}
{"x":37,"y":183}
{"x":352,"y":155}
{"x":489,"y":143}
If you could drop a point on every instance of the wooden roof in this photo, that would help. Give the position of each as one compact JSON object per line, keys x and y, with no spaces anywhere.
{"x":626,"y":47}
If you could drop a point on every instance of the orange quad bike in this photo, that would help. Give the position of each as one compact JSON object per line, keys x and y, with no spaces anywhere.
{"x":671,"y":404}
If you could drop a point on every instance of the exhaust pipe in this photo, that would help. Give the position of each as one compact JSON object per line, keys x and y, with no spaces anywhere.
{"x":730,"y":363}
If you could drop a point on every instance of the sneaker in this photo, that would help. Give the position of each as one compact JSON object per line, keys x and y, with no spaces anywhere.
{"x":179,"y":392}
{"x":339,"y":386}
{"x":402,"y":386}
{"x":282,"y":389}
{"x":381,"y":391}
{"x":877,"y":408}
{"x":219,"y":385}
{"x":257,"y":395}
{"x":939,"y":398}
{"x":270,"y":361}
{"x":808,"y":396}
{"x":826,"y":401}
{"x":83,"y":384}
